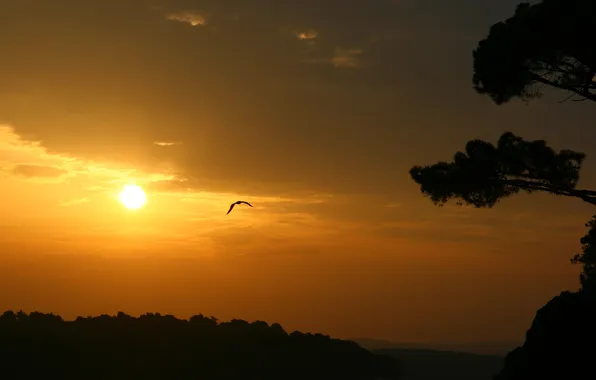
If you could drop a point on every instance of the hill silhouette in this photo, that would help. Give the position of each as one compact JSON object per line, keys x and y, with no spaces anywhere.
{"x":559,"y":344}
{"x":153,"y":346}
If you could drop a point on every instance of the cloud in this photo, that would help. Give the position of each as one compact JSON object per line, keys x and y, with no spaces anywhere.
{"x":192,"y":18}
{"x":30,"y":159}
{"x":442,"y":229}
{"x":167,"y":143}
{"x":342,"y":58}
{"x":38,"y":171}
{"x":15,"y":150}
{"x":180,"y":216}
{"x":346,"y":58}
{"x":307,"y":35}
{"x":242,"y":96}
{"x":90,"y":180}
{"x":174,"y":185}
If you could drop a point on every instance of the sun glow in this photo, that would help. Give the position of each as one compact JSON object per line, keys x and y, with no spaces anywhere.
{"x":133,"y":197}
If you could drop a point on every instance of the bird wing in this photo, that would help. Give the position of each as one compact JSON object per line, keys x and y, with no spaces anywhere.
{"x":246,"y":203}
{"x":231,"y":207}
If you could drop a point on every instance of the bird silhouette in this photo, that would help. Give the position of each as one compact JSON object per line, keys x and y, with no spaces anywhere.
{"x":237,"y":203}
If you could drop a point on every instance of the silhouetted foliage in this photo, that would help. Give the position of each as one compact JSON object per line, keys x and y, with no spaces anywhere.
{"x":559,"y":344}
{"x":549,"y":43}
{"x":588,"y":258}
{"x":152,"y":346}
{"x":485,"y":173}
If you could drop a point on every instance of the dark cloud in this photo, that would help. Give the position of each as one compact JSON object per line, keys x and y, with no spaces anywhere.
{"x":255,"y":107}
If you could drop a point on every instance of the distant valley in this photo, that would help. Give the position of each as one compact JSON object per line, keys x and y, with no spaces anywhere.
{"x":482,"y":348}
{"x":446,"y":362}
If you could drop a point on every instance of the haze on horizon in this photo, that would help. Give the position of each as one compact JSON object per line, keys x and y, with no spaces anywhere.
{"x":313,"y":111}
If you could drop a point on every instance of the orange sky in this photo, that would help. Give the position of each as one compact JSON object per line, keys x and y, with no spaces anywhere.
{"x":314,"y":113}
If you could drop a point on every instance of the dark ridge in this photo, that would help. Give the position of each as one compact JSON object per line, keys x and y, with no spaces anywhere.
{"x":559,"y":343}
{"x":155,"y":346}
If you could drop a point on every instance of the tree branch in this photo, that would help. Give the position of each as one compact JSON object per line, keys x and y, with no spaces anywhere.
{"x":588,"y":196}
{"x":585,"y":94}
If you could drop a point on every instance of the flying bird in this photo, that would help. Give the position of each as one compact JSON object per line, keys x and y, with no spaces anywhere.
{"x":237,"y":203}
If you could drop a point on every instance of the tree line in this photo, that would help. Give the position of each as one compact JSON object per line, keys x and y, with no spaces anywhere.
{"x":155,"y":346}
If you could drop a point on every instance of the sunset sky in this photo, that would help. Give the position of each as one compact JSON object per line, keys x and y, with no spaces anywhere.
{"x":313,"y":111}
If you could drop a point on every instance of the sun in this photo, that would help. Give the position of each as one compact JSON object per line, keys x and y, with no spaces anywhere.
{"x":133,"y":197}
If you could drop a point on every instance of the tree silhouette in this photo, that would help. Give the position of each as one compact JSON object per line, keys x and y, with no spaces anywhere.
{"x":588,"y":257}
{"x":547,"y":44}
{"x":544,"y":45}
{"x":484,"y":173}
